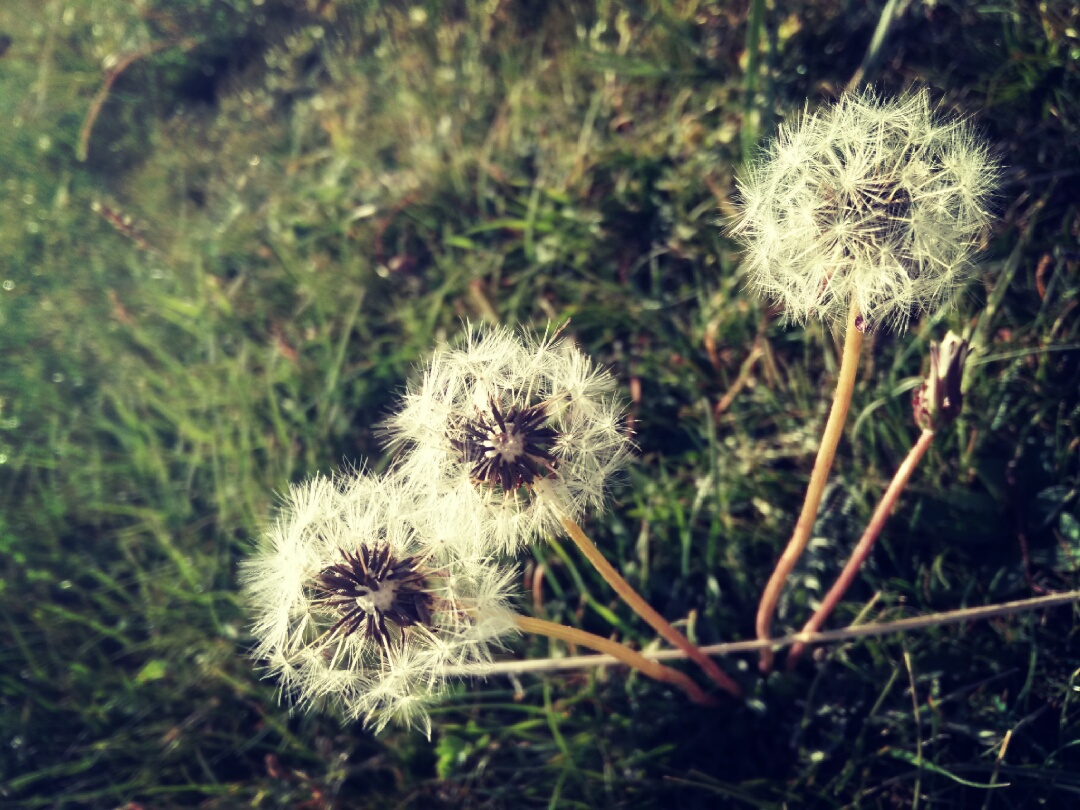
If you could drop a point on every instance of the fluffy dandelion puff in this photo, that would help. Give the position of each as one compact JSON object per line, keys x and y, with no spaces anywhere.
{"x":876,"y":202}
{"x":354,"y":610}
{"x":520,"y":430}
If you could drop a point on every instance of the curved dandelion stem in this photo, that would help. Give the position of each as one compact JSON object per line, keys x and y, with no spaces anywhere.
{"x":621,"y":652}
{"x":866,"y":542}
{"x":643,"y":608}
{"x":834,"y":428}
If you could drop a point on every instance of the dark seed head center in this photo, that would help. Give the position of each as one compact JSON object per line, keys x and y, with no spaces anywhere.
{"x":375,"y":592}
{"x":509,"y":449}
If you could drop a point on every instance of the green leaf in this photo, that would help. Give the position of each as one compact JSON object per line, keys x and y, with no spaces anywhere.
{"x":153,"y":670}
{"x":907,"y":756}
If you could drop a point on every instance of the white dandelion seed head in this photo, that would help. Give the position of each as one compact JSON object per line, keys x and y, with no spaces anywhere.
{"x":355,"y":610}
{"x":518,"y":430}
{"x":871,"y":201}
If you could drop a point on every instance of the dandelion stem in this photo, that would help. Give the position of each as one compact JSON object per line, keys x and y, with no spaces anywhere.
{"x":865,"y":544}
{"x":621,"y":652}
{"x":645,"y":610}
{"x":834,"y":428}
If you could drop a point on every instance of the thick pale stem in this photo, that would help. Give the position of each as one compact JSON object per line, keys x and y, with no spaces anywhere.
{"x":834,"y":428}
{"x":621,"y":652}
{"x":866,"y":542}
{"x":645,"y":610}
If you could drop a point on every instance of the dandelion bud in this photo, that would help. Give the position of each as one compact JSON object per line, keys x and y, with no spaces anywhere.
{"x":876,"y":203}
{"x":938,"y":401}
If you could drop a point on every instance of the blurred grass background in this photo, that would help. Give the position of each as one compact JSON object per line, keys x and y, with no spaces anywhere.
{"x":284,"y":204}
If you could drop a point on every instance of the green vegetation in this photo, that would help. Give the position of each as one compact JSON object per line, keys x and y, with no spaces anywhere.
{"x":286,"y":203}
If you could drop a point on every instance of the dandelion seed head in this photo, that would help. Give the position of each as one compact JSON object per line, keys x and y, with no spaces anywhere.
{"x":880,"y":202}
{"x":355,"y":611}
{"x":518,"y":430}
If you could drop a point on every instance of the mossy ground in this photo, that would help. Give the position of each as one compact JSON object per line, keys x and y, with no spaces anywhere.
{"x":285,"y":204}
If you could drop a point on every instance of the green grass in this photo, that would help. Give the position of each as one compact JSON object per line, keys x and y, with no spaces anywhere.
{"x":317,"y":193}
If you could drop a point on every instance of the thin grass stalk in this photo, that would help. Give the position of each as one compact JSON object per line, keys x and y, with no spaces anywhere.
{"x":620,"y":652}
{"x":852,"y":633}
{"x":890,"y":16}
{"x":834,"y":429}
{"x":865,"y":544}
{"x":751,"y":127}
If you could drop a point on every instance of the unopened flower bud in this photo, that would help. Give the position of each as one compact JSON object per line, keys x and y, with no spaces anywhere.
{"x":938,"y":400}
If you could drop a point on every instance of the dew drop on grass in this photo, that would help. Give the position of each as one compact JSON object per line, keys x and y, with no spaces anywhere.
{"x":9,"y":285}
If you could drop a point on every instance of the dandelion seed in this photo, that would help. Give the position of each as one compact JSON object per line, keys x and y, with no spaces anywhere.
{"x":370,"y":588}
